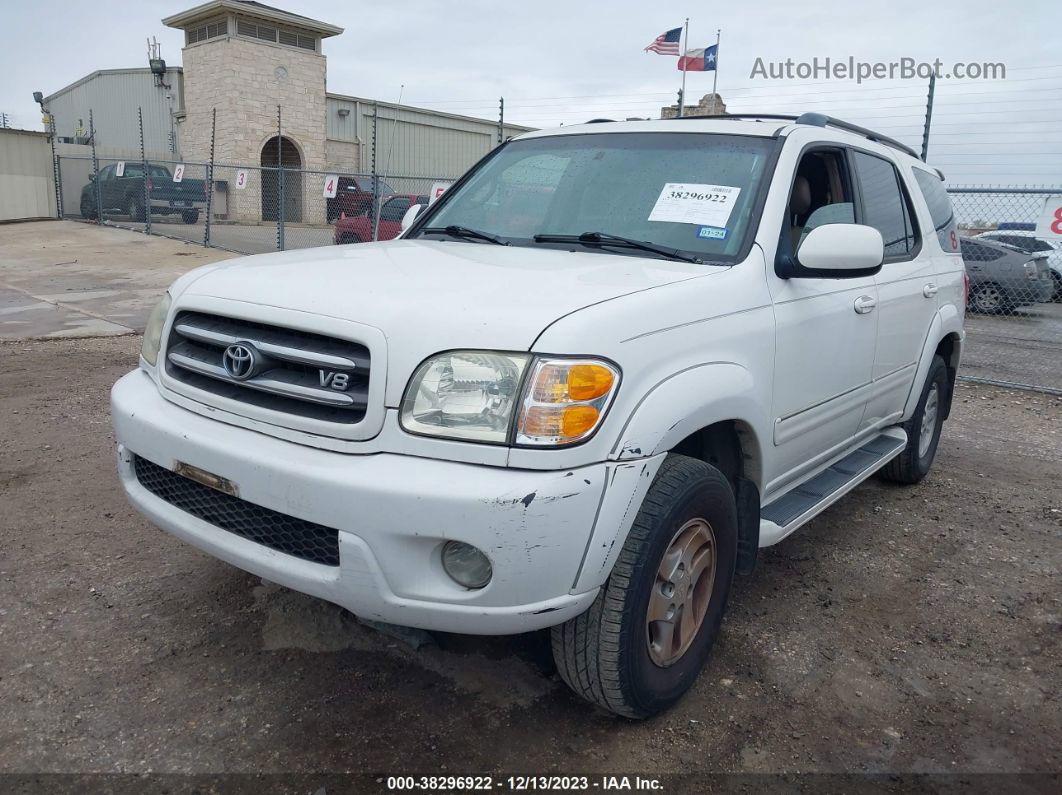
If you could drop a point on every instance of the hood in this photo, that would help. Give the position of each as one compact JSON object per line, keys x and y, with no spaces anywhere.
{"x":429,"y":296}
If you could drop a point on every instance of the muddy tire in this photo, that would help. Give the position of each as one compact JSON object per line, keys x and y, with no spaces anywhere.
{"x":923,"y":430}
{"x":626,"y":653}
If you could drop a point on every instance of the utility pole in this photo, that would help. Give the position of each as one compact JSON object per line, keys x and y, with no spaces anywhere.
{"x":929,"y":114}
{"x":682,"y":55}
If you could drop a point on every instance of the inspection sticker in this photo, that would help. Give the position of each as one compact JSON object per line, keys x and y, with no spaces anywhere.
{"x":711,"y":233}
{"x":689,"y":203}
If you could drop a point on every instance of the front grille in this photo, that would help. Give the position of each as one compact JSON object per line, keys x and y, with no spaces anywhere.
{"x":295,"y":372}
{"x":296,"y":537}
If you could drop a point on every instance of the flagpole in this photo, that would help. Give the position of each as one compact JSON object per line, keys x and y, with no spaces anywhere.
{"x":715,"y":72}
{"x":682,"y":55}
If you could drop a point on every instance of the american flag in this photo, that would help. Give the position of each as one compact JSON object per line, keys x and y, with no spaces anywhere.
{"x":666,"y":43}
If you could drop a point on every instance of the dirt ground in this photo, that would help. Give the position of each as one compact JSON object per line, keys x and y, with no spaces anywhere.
{"x":907,"y":630}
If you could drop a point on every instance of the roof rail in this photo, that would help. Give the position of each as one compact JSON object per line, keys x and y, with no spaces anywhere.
{"x":819,"y":120}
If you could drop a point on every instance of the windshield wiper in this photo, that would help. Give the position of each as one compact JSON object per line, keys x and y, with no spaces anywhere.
{"x":604,"y":239}
{"x":464,"y":233}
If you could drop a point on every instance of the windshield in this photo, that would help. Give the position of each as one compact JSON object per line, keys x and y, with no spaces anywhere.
{"x":689,"y":191}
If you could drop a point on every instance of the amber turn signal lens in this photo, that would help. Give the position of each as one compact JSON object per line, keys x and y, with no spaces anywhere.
{"x":577,"y":420}
{"x":567,"y":422}
{"x":589,"y":381}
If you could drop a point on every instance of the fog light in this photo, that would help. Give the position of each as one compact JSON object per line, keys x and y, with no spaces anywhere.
{"x":466,"y":565}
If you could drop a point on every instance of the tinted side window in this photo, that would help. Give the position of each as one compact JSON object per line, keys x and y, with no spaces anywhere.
{"x":939,"y":207}
{"x":394,"y":209}
{"x":884,"y":206}
{"x":975,"y":252}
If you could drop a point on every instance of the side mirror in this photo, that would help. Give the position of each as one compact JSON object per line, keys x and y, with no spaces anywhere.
{"x":845,"y":249}
{"x":411,"y":216}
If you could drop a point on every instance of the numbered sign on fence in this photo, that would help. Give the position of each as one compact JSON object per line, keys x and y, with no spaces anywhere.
{"x":330,"y":185}
{"x":178,"y":172}
{"x":437,"y":190}
{"x":119,"y":168}
{"x":241,"y":179}
{"x":1050,"y":223}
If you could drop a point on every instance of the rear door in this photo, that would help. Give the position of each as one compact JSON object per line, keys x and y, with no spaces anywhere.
{"x":907,"y":290}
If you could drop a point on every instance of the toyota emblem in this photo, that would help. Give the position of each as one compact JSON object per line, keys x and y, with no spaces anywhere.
{"x":240,"y":361}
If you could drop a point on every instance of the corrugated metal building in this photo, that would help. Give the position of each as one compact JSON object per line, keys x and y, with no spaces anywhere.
{"x":114,"y":95}
{"x":411,"y":142}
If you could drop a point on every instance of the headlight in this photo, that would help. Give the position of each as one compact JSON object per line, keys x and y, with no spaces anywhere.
{"x":484,"y":396}
{"x":153,"y":332}
{"x":465,"y":395}
{"x":565,"y":400}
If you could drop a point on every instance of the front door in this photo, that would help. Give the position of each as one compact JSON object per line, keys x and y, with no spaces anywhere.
{"x":826,"y":332}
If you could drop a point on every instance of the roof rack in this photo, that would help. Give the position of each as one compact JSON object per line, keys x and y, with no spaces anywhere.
{"x":819,"y":120}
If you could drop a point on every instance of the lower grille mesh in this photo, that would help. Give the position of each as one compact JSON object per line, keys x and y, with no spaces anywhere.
{"x":296,"y":537}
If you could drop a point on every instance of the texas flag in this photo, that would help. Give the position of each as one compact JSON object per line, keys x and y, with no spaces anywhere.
{"x":698,"y":60}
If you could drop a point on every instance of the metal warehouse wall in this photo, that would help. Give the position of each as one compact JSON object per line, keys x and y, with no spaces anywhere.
{"x":114,"y":95}
{"x":414,"y":142}
{"x":27,"y":181}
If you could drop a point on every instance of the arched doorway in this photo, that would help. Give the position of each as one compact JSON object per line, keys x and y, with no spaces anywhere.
{"x":290,"y":162}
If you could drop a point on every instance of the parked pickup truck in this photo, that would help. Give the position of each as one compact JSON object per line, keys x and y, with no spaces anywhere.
{"x":359,"y":228}
{"x":580,"y":391}
{"x":124,"y":195}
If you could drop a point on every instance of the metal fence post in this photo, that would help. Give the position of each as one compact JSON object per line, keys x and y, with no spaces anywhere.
{"x":929,"y":115}
{"x":147,"y":174}
{"x":280,"y":186}
{"x":210,"y":177}
{"x":501,"y":119}
{"x":375,"y":173}
{"x":57,"y":176}
{"x":95,"y":170}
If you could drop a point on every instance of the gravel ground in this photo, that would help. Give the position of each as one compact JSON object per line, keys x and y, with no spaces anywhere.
{"x":907,"y":630}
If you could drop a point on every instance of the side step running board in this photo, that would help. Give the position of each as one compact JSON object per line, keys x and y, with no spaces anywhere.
{"x":796,"y":507}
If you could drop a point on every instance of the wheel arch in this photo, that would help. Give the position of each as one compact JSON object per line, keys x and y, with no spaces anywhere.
{"x":715,"y":414}
{"x":946,"y":338}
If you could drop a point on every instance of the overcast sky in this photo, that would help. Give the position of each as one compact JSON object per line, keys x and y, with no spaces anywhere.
{"x":564,"y":62}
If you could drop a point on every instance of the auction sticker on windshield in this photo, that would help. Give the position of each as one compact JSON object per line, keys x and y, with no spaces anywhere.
{"x":688,"y":203}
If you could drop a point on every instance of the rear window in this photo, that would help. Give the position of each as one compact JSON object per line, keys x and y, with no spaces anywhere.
{"x":1029,"y":244}
{"x":940,"y":210}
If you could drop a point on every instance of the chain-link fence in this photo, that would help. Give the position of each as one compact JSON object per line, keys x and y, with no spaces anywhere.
{"x":1014,"y":311}
{"x":247,"y":209}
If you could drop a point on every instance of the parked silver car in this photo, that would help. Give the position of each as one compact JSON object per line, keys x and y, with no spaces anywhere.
{"x":1002,"y":279}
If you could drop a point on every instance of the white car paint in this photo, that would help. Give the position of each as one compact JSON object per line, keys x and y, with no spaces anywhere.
{"x":805,"y":377}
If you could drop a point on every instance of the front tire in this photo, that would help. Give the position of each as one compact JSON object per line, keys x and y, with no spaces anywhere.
{"x":1056,"y":293}
{"x":923,"y":429}
{"x":190,"y":216}
{"x":641,"y":644}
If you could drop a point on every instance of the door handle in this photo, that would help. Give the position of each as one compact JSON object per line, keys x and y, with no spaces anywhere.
{"x":864,"y":304}
{"x":929,"y":290}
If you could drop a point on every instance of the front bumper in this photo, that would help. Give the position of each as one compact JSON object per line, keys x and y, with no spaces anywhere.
{"x":392,"y":513}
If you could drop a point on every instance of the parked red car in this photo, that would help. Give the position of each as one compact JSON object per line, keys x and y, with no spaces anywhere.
{"x":358,"y":228}
{"x":353,"y":195}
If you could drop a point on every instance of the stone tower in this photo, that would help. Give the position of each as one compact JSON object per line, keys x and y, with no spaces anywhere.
{"x":245,"y":58}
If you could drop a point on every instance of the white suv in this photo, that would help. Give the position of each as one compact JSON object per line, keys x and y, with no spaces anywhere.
{"x":580,"y":392}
